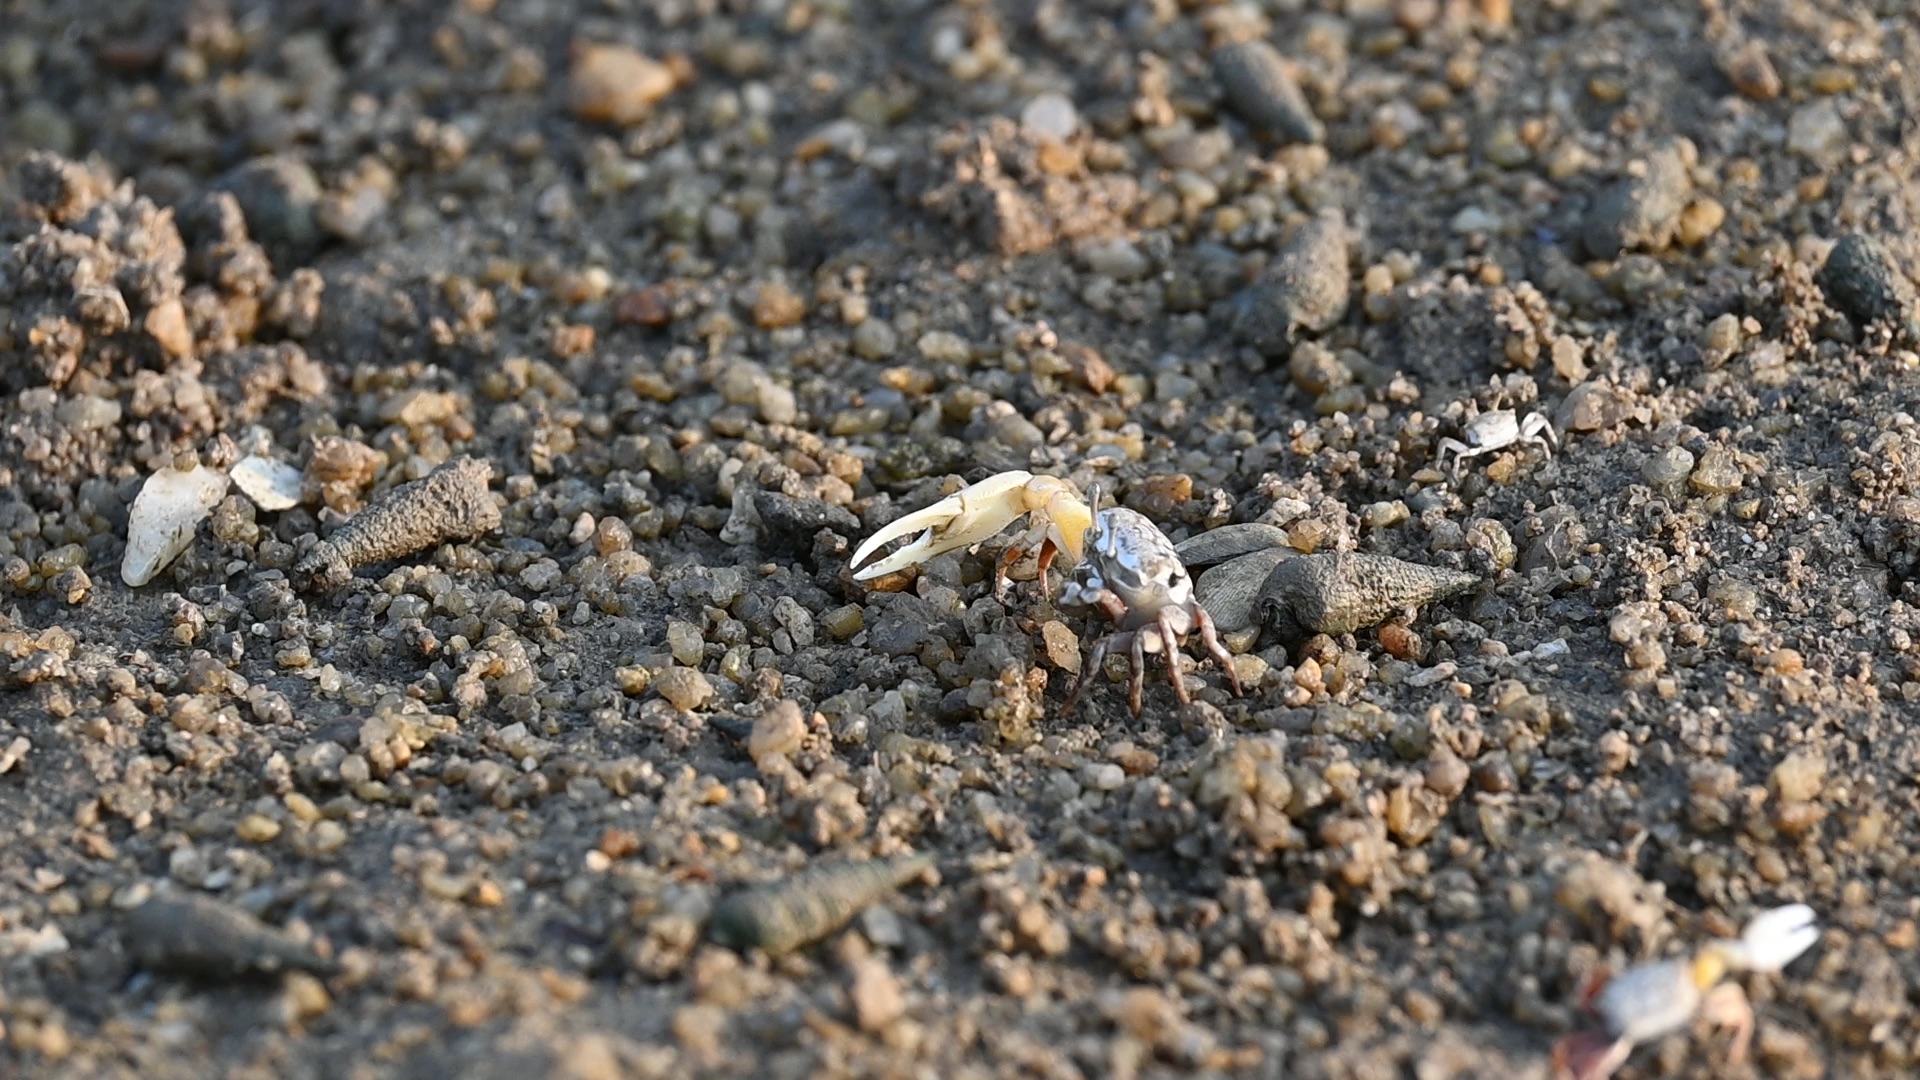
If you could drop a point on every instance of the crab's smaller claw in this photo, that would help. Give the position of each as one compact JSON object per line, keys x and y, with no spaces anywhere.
{"x":1588,"y":1055}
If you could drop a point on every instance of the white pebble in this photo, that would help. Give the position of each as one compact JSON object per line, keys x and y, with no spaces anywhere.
{"x":944,"y":347}
{"x":1105,"y":776}
{"x":844,"y":136}
{"x":758,"y":98}
{"x":170,"y":506}
{"x":1115,"y":257}
{"x":1474,"y":220}
{"x":582,"y":530}
{"x":1437,"y":673}
{"x":272,"y":485}
{"x":1816,"y":132}
{"x":1050,"y":116}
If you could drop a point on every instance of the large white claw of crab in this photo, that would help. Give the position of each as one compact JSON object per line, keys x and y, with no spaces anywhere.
{"x":1775,"y":939}
{"x":977,"y":512}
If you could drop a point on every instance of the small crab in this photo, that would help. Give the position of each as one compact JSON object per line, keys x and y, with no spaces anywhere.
{"x":1498,"y":430}
{"x":1060,"y":522}
{"x":1132,"y":574}
{"x":1650,"y":1000}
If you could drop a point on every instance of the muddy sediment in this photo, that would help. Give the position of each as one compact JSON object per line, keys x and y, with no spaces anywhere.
{"x":676,"y":303}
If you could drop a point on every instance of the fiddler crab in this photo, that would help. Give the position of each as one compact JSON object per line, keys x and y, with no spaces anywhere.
{"x":1060,"y":520}
{"x":1498,"y":430}
{"x":1128,"y":569}
{"x":1654,"y":999}
{"x":1134,"y":577}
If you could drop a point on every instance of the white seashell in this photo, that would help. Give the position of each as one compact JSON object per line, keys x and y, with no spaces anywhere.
{"x":171,"y":504}
{"x":272,"y":485}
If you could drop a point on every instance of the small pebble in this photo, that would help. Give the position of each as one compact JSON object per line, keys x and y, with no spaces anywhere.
{"x":843,"y":622}
{"x":875,"y":339}
{"x":614,"y":84}
{"x":1700,"y":220}
{"x":272,"y":485}
{"x":1816,"y":132}
{"x":305,"y":997}
{"x":791,"y":523}
{"x":1798,"y":778}
{"x":1751,"y":71}
{"x":1050,"y":115}
{"x":882,"y":927}
{"x":279,"y":196}
{"x":1062,"y":645}
{"x":166,"y":323}
{"x":776,"y":305}
{"x":15,"y":752}
{"x":1861,"y":279}
{"x":344,"y":461}
{"x":1642,"y":212}
{"x":877,"y":1001}
{"x":778,"y":733}
{"x":1115,"y":257}
{"x":1717,"y":473}
{"x":1667,"y":470}
{"x":684,"y":688}
{"x":944,"y":347}
{"x":257,"y":828}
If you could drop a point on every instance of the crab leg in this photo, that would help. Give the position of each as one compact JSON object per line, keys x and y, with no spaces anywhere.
{"x":1017,"y":549}
{"x":1095,"y":658}
{"x":1139,"y":681}
{"x":1219,"y":651}
{"x":1170,"y":644}
{"x":1589,"y":1055}
{"x":1727,"y":1006}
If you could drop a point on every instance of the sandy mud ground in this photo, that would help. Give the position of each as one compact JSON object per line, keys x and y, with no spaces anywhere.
{"x":712,"y":289}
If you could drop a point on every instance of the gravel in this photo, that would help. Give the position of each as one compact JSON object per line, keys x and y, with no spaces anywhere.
{"x":673,"y":304}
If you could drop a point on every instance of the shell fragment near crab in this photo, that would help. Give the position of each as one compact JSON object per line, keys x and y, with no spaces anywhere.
{"x":1654,"y":999}
{"x":1059,"y":517}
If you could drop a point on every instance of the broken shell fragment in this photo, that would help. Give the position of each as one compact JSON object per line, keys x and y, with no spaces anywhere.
{"x":1257,"y":85}
{"x":200,"y":936}
{"x":1231,"y":541}
{"x":1348,"y":591}
{"x":1231,"y":592}
{"x":170,"y":506}
{"x":450,"y":503}
{"x":781,"y":916}
{"x":272,"y":485}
